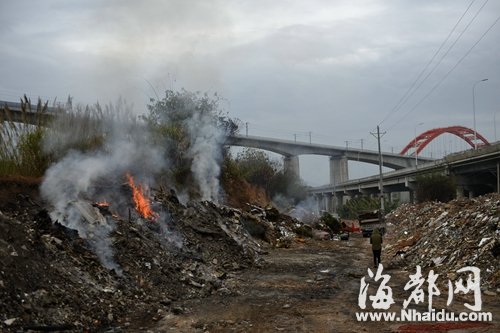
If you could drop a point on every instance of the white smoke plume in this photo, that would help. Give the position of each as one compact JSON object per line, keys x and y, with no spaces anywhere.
{"x":79,"y":178}
{"x":305,"y":211}
{"x":206,"y":152}
{"x":71,"y":182}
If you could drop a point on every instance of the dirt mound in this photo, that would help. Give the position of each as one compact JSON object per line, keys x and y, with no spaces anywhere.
{"x":12,"y":187}
{"x":53,"y":279}
{"x":448,"y":236}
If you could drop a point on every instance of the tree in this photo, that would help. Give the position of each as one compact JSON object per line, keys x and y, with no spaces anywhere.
{"x":331,"y":222}
{"x":353,"y":207}
{"x":256,"y":167}
{"x":435,"y":187}
{"x":182,"y":122}
{"x":288,"y":185}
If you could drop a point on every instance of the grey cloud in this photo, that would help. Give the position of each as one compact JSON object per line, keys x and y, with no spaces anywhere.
{"x":335,"y":68}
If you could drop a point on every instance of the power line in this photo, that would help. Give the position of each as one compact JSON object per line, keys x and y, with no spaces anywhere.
{"x":447,"y":74}
{"x":410,"y":91}
{"x":449,"y":48}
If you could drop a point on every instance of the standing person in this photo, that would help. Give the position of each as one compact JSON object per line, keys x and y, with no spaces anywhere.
{"x":376,"y":242}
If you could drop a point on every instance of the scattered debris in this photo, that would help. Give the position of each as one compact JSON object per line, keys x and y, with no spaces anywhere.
{"x":53,"y":276}
{"x":447,"y":236}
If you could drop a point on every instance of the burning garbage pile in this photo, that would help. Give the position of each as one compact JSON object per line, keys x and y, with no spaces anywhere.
{"x":448,"y":236}
{"x":124,"y":263}
{"x":104,"y":240}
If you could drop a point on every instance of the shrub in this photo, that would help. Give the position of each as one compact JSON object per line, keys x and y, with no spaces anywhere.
{"x":353,"y":207}
{"x":435,"y":187}
{"x":256,"y":168}
{"x":188,"y":125}
{"x":331,"y":222}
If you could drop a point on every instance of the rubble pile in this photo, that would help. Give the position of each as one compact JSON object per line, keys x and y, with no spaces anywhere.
{"x":52,"y":279}
{"x":447,"y":236}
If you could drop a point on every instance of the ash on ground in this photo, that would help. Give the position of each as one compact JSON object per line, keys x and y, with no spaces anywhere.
{"x":51,"y":279}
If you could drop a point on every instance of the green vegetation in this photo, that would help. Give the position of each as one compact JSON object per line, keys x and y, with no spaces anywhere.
{"x":29,"y":149}
{"x":256,"y":168}
{"x":353,"y":207}
{"x":33,"y":161}
{"x":435,"y":187}
{"x":331,"y":222}
{"x":80,"y":128}
{"x":177,"y":121}
{"x":20,"y":144}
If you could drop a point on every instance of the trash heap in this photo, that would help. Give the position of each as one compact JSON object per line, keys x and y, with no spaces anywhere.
{"x":446,"y":237}
{"x":52,"y":279}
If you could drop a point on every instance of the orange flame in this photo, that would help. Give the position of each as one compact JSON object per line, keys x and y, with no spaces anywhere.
{"x":142,"y":204}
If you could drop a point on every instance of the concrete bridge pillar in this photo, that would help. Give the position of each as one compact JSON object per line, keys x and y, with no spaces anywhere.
{"x":338,"y":200}
{"x":412,"y":195}
{"x":291,"y":165}
{"x":330,"y":206}
{"x":321,"y":201}
{"x":339,"y":172}
{"x":317,"y":200}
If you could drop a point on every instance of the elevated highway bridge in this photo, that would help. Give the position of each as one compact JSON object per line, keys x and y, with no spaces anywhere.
{"x":339,"y":156}
{"x":475,"y":172}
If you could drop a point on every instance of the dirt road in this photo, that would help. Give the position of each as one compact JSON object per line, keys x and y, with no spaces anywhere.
{"x":312,"y":287}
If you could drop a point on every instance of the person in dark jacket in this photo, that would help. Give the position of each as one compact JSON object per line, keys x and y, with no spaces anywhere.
{"x":376,"y":242}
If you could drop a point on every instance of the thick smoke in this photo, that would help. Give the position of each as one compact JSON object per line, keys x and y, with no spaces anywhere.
{"x":79,"y":179}
{"x":206,"y":152}
{"x":73,"y":182}
{"x":305,"y":210}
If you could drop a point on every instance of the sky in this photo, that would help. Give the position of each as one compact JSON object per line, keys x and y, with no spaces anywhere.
{"x":328,"y":71}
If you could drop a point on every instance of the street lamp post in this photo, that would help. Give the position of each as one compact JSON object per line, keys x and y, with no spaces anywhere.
{"x":495,"y":125}
{"x":474,"y":109}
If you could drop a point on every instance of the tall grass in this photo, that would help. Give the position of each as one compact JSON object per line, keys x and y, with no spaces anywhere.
{"x":20,"y":143}
{"x":29,"y":149}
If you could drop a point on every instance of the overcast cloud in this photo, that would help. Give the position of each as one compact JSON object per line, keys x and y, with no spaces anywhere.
{"x":335,"y":68}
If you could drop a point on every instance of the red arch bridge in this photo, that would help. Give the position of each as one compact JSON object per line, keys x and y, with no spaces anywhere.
{"x":473,"y":138}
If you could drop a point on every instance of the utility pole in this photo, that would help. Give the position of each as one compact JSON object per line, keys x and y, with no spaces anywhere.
{"x":362,"y":140}
{"x":310,"y":137}
{"x":246,"y":128}
{"x":295,"y":137}
{"x":378,"y":135}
